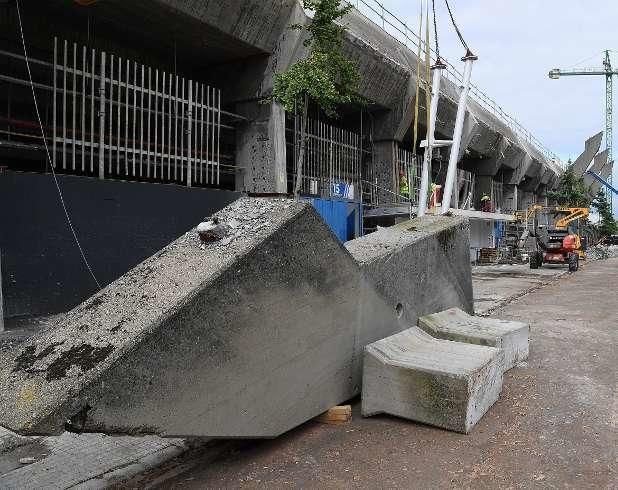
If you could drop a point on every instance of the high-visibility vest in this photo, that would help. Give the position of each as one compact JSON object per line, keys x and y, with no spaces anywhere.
{"x":404,"y":189}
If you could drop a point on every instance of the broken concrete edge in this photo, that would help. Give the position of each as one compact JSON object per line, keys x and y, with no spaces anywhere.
{"x":108,"y":318}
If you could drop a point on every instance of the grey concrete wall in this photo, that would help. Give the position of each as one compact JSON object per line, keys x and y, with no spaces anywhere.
{"x":419,"y":266}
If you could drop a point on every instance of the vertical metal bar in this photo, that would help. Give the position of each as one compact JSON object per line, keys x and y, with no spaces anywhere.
{"x":212,"y":141}
{"x":64,"y":105}
{"x":196,"y":132}
{"x":126,"y":121}
{"x":169,"y":126}
{"x":141,"y":115}
{"x":156,"y":123}
{"x":111,"y":112}
{"x":82,"y":138}
{"x":330,"y":162}
{"x":102,"y":119}
{"x":54,"y":104}
{"x":218,"y":135}
{"x":148,"y":124}
{"x":451,"y":174}
{"x":162,"y":152}
{"x":207,"y":132}
{"x":134,"y":112}
{"x":202,"y":133}
{"x":118,"y":117}
{"x":182,"y":129}
{"x":189,"y":124}
{"x":74,"y":87}
{"x":92,"y":97}
{"x":176,"y":131}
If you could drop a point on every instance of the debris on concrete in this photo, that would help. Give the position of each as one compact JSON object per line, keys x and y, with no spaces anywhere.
{"x":454,"y":324}
{"x":436,"y":382}
{"x":602,"y":252}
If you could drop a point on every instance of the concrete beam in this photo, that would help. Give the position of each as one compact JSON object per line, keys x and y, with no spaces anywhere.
{"x":591,"y":148}
{"x":419,"y":266}
{"x":219,"y":340}
{"x":600,"y":160}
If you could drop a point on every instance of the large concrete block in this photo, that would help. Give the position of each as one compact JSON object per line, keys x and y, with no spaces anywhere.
{"x":419,"y":266}
{"x":455,"y":324}
{"x":249,"y":336}
{"x":437,"y":382}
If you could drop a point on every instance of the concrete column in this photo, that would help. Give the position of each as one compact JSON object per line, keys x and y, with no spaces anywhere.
{"x":510,"y":198}
{"x":384,"y":168}
{"x":261,"y":150}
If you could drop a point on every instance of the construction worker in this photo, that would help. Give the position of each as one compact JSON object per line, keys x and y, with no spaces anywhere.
{"x":404,"y":188}
{"x":486,"y":203}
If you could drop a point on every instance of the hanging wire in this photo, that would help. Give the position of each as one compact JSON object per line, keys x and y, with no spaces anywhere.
{"x":588,"y":59}
{"x":51,"y":165}
{"x":455,"y":26}
{"x":435,"y":29}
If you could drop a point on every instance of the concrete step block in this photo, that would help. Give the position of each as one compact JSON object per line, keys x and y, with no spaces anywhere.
{"x":455,"y":324}
{"x":436,"y":382}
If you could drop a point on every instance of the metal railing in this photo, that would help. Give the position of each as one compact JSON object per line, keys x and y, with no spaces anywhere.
{"x":332,"y":160}
{"x":376,"y":12}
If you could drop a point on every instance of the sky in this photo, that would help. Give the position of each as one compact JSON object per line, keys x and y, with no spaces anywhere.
{"x":518,"y":42}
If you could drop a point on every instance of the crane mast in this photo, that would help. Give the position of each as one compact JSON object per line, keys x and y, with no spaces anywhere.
{"x":608,"y":72}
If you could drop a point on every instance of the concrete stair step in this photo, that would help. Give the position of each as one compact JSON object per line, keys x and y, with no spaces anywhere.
{"x":457,"y":325}
{"x":437,"y":382}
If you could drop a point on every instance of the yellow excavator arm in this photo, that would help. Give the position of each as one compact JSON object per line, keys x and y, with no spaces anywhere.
{"x":573,"y":214}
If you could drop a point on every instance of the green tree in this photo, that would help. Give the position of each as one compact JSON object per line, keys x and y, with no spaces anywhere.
{"x":607,"y":226}
{"x":325,"y":77}
{"x":571,"y":190}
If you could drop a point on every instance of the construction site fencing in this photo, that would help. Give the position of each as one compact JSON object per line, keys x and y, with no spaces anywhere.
{"x":116,"y":117}
{"x":332,"y":161}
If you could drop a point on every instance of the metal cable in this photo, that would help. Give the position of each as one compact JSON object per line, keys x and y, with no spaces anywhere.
{"x":51,"y":165}
{"x":435,"y":29}
{"x":455,"y":26}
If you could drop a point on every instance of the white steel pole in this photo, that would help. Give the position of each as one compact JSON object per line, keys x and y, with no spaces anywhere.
{"x":435,"y":96}
{"x":459,"y":122}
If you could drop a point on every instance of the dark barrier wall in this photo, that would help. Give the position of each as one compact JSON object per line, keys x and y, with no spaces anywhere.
{"x":119,"y":224}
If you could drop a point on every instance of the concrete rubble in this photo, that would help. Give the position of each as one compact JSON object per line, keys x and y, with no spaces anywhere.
{"x":602,"y":252}
{"x":456,"y":325}
{"x":438,"y":382}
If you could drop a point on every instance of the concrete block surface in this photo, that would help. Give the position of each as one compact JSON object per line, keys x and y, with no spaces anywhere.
{"x":454,"y":324}
{"x":437,"y":382}
{"x":419,"y":266}
{"x":248,"y":336}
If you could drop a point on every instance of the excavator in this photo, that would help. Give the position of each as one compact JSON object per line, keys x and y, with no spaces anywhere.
{"x":560,"y":242}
